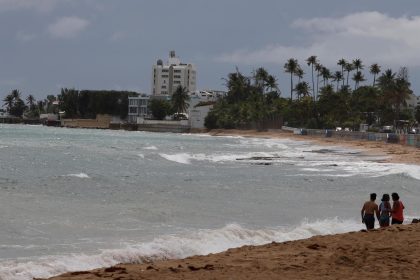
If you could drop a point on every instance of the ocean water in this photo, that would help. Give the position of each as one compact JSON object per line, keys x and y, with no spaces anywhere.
{"x":76,"y":199}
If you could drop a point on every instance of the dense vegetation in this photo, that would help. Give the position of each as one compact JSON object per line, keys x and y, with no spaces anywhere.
{"x":74,"y":103}
{"x":331,"y":100}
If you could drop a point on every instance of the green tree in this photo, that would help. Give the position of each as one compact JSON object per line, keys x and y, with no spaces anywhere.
{"x":318,"y":68}
{"x":8,"y":102}
{"x":374,"y":69}
{"x":342,"y":62}
{"x":180,"y":100}
{"x":302,"y":89}
{"x":326,"y":75}
{"x":160,"y":108}
{"x":357,"y":78}
{"x":291,"y":67}
{"x":348,"y":68}
{"x":337,"y":77}
{"x":68,"y":99}
{"x":358,"y":65}
{"x":312,"y":61}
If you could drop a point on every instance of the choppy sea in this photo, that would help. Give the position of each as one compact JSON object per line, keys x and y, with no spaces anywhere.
{"x":77,"y":199}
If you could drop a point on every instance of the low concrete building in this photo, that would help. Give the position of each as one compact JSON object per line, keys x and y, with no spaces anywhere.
{"x":138,"y":108}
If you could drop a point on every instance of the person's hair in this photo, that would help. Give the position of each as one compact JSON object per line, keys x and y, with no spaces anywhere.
{"x":385,"y":197}
{"x":372,"y":196}
{"x":395,"y":196}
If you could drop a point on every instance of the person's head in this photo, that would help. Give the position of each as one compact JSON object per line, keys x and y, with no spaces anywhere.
{"x":395,"y":196}
{"x":373,"y":196}
{"x":385,"y":197}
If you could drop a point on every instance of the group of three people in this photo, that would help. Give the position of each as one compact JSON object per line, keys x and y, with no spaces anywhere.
{"x":383,"y":212}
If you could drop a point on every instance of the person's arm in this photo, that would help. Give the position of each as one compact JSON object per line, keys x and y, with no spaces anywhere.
{"x":377,"y":212}
{"x":363,"y":212}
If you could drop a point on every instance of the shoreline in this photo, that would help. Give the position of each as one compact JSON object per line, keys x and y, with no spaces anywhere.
{"x":387,"y":253}
{"x":395,"y":153}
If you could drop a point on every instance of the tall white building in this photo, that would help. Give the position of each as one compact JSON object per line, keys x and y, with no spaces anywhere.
{"x":167,"y":77}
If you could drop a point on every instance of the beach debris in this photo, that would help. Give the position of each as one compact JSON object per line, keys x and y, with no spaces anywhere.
{"x":315,"y":246}
{"x":206,"y":267}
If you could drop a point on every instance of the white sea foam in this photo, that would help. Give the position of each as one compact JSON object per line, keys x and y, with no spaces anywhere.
{"x":173,"y":246}
{"x":150,"y":148}
{"x":179,"y":158}
{"x":79,"y":175}
{"x":140,"y":155}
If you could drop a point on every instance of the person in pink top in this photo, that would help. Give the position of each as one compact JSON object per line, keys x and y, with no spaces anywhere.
{"x":397,"y":210}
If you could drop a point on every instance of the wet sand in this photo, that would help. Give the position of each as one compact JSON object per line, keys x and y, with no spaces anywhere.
{"x":391,"y":253}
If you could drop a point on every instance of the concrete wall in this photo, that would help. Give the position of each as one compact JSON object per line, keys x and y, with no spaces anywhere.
{"x":101,"y":121}
{"x":403,"y":139}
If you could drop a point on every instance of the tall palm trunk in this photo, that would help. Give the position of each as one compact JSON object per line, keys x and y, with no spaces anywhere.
{"x":291,"y":86}
{"x":313,"y":82}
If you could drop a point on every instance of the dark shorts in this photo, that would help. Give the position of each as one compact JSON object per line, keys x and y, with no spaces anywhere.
{"x":369,"y":220}
{"x":396,"y":222}
{"x":384,"y":221}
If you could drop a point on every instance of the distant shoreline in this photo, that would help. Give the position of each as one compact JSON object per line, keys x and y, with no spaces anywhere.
{"x":395,"y":153}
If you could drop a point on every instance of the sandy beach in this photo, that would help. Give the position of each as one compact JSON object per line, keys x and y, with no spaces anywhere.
{"x":393,"y":252}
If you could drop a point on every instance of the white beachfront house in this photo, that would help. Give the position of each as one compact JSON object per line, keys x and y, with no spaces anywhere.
{"x":200,"y":104}
{"x":167,"y":77}
{"x":138,"y":108}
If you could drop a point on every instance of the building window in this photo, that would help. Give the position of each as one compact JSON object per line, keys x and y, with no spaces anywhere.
{"x":165,"y":76}
{"x":177,"y":76}
{"x":163,"y":87}
{"x":177,"y":82}
{"x":177,"y":71}
{"x":165,"y":70}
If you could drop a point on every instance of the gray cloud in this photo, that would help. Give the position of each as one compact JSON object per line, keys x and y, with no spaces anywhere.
{"x":38,"y":5}
{"x":372,"y":36}
{"x":68,"y":27}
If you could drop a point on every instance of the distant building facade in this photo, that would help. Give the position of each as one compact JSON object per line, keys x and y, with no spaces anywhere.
{"x":138,"y":107}
{"x":167,"y":77}
{"x":200,"y":104}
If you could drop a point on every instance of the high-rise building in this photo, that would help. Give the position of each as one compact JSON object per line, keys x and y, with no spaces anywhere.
{"x":167,"y":77}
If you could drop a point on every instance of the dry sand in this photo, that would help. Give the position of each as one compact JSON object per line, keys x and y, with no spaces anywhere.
{"x":391,"y":253}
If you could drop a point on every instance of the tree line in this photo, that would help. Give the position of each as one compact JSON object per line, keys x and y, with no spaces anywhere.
{"x":74,"y":103}
{"x":327,"y":101}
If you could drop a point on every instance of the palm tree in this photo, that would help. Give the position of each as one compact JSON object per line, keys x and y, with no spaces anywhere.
{"x":342,"y":62}
{"x":357,"y":78}
{"x":31,"y":101}
{"x":337,"y":77}
{"x":299,"y":73}
{"x":374,"y":69}
{"x":16,"y":94}
{"x":8,"y":102}
{"x":260,"y":77}
{"x":318,"y":68}
{"x":271,"y":83}
{"x":326,"y":75}
{"x":290,"y":67}
{"x":302,"y":89}
{"x":348,"y":67}
{"x":358,"y":64}
{"x":180,"y":100}
{"x":312,"y":61}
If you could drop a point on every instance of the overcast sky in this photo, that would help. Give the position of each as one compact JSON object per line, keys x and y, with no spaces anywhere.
{"x":112,"y":44}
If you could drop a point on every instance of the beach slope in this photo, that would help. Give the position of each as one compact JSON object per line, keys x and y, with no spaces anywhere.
{"x":391,"y":253}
